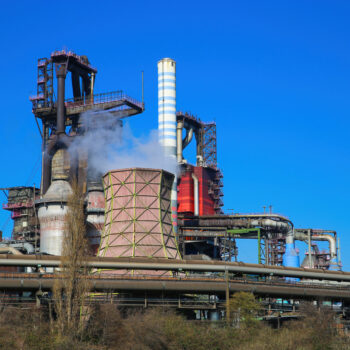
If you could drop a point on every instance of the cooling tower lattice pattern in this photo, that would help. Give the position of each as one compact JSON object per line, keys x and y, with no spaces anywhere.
{"x":138,"y":214}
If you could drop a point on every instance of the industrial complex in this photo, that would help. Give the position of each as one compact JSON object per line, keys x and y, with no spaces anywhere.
{"x":155,"y":236}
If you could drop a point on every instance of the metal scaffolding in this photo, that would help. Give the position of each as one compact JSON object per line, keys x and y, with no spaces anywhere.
{"x":44,"y":97}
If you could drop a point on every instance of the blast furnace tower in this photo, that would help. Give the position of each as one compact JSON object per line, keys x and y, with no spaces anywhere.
{"x":61,"y":123}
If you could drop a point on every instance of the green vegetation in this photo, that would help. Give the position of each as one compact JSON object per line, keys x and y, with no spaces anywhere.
{"x":244,"y":309}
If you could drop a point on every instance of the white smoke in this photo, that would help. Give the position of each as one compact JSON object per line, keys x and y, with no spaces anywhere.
{"x":109,"y":145}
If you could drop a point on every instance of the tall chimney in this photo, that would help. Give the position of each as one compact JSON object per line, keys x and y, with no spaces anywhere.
{"x":167,"y":119}
{"x":61,"y":72}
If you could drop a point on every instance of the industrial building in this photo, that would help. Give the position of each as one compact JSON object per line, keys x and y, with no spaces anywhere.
{"x":137,"y":213}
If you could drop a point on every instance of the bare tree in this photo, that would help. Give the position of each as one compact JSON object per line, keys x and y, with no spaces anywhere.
{"x":71,"y":287}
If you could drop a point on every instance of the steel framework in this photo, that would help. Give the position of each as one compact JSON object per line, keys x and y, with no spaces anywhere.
{"x":21,"y":205}
{"x":45,"y":107}
{"x":209,"y":149}
{"x":44,"y":97}
{"x":274,"y":250}
{"x":206,"y":149}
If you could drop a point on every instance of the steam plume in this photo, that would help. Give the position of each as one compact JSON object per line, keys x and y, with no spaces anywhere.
{"x":111,"y":146}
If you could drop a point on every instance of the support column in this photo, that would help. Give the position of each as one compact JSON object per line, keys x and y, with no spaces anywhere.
{"x":61,"y":73}
{"x":179,"y":128}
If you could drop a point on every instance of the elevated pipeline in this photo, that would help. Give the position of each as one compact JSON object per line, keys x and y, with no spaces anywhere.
{"x":319,"y":235}
{"x":180,"y":266}
{"x":174,"y":286}
{"x":268,"y":221}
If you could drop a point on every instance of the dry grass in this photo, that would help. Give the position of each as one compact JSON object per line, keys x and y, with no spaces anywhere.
{"x":109,"y":329}
{"x":105,"y":327}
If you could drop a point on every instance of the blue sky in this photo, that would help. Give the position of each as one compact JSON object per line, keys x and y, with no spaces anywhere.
{"x":274,"y":75}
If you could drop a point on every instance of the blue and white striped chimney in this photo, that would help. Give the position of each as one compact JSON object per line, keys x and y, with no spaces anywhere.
{"x":167,"y":118}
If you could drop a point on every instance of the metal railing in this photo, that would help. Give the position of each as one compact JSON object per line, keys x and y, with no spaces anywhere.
{"x":282,"y":216}
{"x":8,"y":206}
{"x":102,"y":98}
{"x":73,"y":54}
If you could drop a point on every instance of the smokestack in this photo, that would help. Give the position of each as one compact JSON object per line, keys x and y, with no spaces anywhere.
{"x":61,"y":72}
{"x":167,"y":119}
{"x":60,"y":139}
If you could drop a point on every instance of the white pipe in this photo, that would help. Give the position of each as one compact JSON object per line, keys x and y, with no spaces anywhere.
{"x":18,"y":246}
{"x":331,"y":240}
{"x":196,"y":195}
{"x":188,"y":138}
{"x":179,"y":127}
{"x":270,"y":223}
{"x":12,"y":250}
{"x":320,"y":237}
{"x":290,"y":237}
{"x":92,"y":84}
{"x":309,"y":247}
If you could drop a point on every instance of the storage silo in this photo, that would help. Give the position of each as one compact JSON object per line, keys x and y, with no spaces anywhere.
{"x":138,"y":214}
{"x":52,"y":208}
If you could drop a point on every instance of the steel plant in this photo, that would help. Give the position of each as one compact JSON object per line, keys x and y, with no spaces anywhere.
{"x":155,"y":237}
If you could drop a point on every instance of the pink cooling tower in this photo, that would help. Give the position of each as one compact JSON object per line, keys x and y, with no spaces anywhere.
{"x":138,"y":214}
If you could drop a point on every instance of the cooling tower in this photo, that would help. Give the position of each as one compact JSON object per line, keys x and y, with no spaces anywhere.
{"x":138,"y":214}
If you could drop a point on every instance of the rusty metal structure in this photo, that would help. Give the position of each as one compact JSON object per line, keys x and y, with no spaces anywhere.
{"x":205,"y":135}
{"x":138,"y":214}
{"x":208,"y":175}
{"x":21,"y":204}
{"x":58,"y":114}
{"x":208,"y":148}
{"x":61,"y":124}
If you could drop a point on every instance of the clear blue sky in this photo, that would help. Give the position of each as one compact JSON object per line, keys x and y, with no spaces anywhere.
{"x":274,"y":75}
